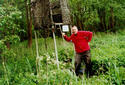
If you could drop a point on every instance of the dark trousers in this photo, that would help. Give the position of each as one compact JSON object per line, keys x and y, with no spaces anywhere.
{"x":83,"y":63}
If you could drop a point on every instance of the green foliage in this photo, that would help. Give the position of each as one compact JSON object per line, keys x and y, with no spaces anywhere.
{"x":9,"y":23}
{"x":18,"y":65}
{"x":13,"y":18}
{"x":2,"y":47}
{"x":9,"y":29}
{"x":107,"y":59}
{"x":82,"y":10}
{"x":96,"y":13}
{"x":53,"y":0}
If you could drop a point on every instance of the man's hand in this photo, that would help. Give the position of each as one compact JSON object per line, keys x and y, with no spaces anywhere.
{"x":63,"y":34}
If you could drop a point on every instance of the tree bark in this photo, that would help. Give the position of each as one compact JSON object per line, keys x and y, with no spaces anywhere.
{"x":8,"y":45}
{"x":102,"y":13}
{"x":65,"y":12}
{"x":41,"y":13}
{"x":29,"y":23}
{"x":111,"y":19}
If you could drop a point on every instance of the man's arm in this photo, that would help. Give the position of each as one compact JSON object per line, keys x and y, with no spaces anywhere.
{"x":88,"y":35}
{"x":66,"y":37}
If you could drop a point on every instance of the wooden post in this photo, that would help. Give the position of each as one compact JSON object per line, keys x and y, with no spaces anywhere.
{"x":37,"y":57}
{"x":62,"y":35}
{"x":54,"y":38}
{"x":55,"y":48}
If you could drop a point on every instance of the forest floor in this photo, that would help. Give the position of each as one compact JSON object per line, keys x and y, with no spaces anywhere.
{"x":108,"y":59}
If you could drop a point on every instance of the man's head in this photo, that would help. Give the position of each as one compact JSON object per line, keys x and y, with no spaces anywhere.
{"x":74,"y":30}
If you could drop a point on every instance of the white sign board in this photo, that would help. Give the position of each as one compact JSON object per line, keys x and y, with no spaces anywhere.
{"x":65,"y":28}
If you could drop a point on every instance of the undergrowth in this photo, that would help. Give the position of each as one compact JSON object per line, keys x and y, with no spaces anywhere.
{"x":108,"y":61}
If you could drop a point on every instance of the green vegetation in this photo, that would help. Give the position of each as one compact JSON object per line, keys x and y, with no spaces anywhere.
{"x":107,"y":49}
{"x":19,"y":65}
{"x":102,"y":15}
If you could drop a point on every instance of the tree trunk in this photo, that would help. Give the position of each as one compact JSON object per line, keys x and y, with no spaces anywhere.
{"x":8,"y":45}
{"x":111,"y":25}
{"x":65,"y":12}
{"x":41,"y":13}
{"x":102,"y":13}
{"x":29,"y":23}
{"x":80,"y":24}
{"x":30,"y":27}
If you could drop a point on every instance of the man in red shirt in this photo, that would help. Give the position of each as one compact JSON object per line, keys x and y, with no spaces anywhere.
{"x":82,"y":48}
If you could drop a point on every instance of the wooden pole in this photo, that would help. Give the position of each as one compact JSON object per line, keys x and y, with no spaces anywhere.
{"x":55,"y":49}
{"x":61,"y":32}
{"x":54,"y":38}
{"x":37,"y":57}
{"x":62,"y":36}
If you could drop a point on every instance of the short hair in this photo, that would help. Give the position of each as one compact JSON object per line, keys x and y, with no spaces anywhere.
{"x":74,"y":26}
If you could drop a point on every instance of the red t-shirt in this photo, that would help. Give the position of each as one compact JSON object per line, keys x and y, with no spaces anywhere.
{"x":80,"y":40}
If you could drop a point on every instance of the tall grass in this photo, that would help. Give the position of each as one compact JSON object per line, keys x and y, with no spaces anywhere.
{"x":108,"y":60}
